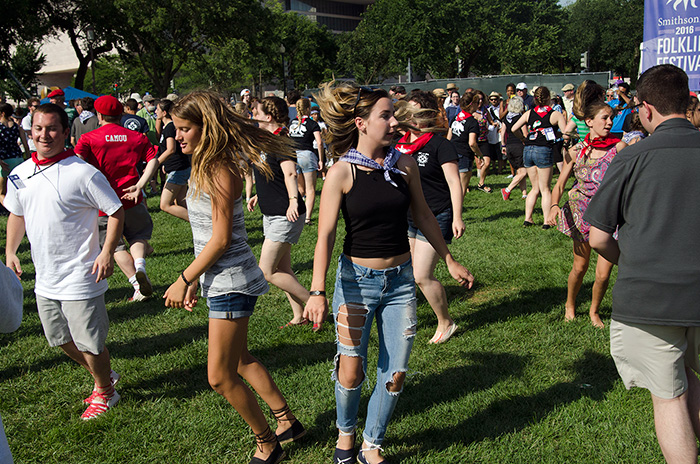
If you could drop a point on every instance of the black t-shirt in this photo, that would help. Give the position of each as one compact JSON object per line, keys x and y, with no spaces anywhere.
{"x":273,"y":196}
{"x":178,"y":160}
{"x":135,"y":123}
{"x":460,"y":135}
{"x":303,"y":133}
{"x":430,"y":159}
{"x":650,"y":192}
{"x":509,"y":121}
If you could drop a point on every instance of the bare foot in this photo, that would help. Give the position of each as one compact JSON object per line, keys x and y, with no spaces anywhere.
{"x":596,"y":321}
{"x":569,"y":314}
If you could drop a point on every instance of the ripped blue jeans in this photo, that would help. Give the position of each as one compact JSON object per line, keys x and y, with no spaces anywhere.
{"x":361,"y":295}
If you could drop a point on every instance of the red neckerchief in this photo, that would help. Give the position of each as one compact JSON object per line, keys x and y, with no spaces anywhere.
{"x":600,"y":143}
{"x":543,"y":110}
{"x":463,"y":115}
{"x":408,"y":148}
{"x":279,"y":130}
{"x":303,"y":119}
{"x":53,"y":159}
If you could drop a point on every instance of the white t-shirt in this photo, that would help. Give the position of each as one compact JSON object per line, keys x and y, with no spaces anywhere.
{"x":27,"y":127}
{"x":60,"y":204}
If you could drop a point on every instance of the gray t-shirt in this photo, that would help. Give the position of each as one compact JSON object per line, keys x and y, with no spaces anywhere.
{"x":651,"y":192}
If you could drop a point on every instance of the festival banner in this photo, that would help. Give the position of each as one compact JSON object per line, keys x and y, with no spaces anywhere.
{"x":672,"y":35}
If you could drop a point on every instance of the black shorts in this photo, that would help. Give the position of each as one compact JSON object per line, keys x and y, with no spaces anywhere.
{"x":514,"y":155}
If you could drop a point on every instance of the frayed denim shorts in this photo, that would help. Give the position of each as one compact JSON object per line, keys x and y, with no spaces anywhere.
{"x":231,"y":306}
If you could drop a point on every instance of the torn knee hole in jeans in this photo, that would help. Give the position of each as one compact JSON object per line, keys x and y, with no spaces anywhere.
{"x":351,"y":321}
{"x":395,"y":385}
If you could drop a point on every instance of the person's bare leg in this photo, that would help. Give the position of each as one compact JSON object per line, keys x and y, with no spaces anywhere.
{"x":603,"y":269}
{"x":75,"y":354}
{"x":99,"y":367}
{"x":424,"y":260}
{"x":172,"y":199}
{"x":519,"y":177}
{"x":674,"y":429}
{"x":531,"y":200}
{"x":310,"y":181}
{"x":582,"y":257}
{"x":544,"y":177}
{"x":464,"y":178}
{"x":228,"y":340}
{"x":125,"y":262}
{"x":483,"y":172}
{"x":694,"y":400}
{"x":275,"y":262}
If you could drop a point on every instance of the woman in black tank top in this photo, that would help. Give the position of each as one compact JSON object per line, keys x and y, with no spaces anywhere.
{"x":537,"y":155}
{"x":374,"y":186}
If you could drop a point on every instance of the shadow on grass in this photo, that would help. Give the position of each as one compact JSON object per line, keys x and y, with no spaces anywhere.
{"x":156,"y":344}
{"x":595,"y":375}
{"x":517,"y":213}
{"x":484,"y":370}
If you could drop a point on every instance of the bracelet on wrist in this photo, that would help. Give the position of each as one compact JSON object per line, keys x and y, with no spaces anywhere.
{"x":553,"y":206}
{"x":292,"y":198}
{"x":184,"y":279}
{"x":317,"y":293}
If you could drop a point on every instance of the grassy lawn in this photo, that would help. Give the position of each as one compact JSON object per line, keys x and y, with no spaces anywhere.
{"x":515,"y":384}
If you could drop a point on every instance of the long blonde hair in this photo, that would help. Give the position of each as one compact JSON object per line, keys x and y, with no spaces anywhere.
{"x":340,"y":106}
{"x":228,"y":140}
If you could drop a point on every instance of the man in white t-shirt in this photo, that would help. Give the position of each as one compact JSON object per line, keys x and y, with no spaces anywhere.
{"x":55,"y":197}
{"x":32,"y":103}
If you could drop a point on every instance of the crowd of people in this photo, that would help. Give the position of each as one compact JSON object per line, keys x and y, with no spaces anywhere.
{"x":397,"y":166}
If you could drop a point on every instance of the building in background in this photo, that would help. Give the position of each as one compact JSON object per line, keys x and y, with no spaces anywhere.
{"x":337,"y":16}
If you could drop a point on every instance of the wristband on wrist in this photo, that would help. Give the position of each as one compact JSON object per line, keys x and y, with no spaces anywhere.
{"x":317,"y":293}
{"x":553,"y":206}
{"x":187,"y":282}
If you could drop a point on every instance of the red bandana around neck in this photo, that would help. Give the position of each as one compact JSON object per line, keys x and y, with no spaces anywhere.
{"x":408,"y":148}
{"x":303,"y":119}
{"x":600,"y":143}
{"x":53,"y":159}
{"x":279,"y":130}
{"x":543,"y":110}
{"x":463,"y":115}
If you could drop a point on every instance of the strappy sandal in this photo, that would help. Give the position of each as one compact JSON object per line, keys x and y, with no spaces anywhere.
{"x":484,"y":188}
{"x":268,"y":437}
{"x":294,"y":433}
{"x":294,"y":324}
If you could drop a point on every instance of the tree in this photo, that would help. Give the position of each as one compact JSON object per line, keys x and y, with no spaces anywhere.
{"x":25,"y":63}
{"x":610,"y":31}
{"x":492,"y":37}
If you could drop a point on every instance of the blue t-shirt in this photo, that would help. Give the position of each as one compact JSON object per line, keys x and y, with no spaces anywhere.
{"x":621,"y":115}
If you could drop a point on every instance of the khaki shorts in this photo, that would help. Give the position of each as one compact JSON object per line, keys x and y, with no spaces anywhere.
{"x":85,"y":322}
{"x":655,"y":356}
{"x":138,"y":225}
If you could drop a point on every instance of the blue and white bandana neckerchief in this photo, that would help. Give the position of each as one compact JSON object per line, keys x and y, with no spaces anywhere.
{"x":355,"y":157}
{"x":85,"y":115}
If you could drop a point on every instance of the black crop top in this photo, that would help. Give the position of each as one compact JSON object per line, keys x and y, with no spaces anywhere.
{"x":375,"y":215}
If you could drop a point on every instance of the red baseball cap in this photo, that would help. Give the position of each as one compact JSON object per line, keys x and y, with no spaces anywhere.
{"x":108,"y":106}
{"x":56,"y":93}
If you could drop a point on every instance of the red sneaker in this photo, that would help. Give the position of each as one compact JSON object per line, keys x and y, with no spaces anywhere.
{"x":113,"y":377}
{"x":100,"y":405}
{"x":505,"y":194}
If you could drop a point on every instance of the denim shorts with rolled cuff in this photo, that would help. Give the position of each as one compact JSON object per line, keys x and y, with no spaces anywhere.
{"x":307,"y":161}
{"x":179,"y":177}
{"x":465,"y":163}
{"x":231,"y":306}
{"x":444,"y":220}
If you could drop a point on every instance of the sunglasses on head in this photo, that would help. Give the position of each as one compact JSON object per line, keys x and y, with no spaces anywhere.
{"x":359,"y":95}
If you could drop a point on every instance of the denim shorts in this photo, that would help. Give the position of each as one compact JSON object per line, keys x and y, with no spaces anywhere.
{"x":307,"y":161}
{"x":444,"y":220}
{"x":231,"y":306}
{"x":465,"y":163}
{"x":535,"y":155}
{"x":178,"y":177}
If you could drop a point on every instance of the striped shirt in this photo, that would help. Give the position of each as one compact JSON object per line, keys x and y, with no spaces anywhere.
{"x":236,"y":271}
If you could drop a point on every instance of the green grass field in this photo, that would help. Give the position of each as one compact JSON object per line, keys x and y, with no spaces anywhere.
{"x":516,"y":384}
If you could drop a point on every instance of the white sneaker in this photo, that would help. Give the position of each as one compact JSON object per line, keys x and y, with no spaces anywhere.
{"x":509,"y":176}
{"x":138,"y":296}
{"x":144,"y":283}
